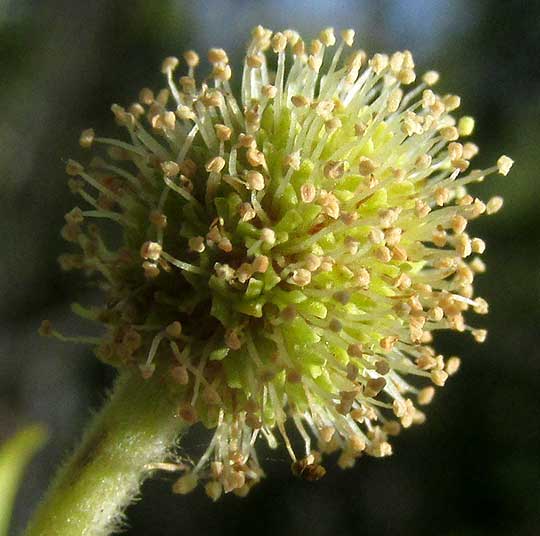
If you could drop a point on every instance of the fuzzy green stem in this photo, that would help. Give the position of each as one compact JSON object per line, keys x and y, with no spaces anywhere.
{"x":136,"y":427}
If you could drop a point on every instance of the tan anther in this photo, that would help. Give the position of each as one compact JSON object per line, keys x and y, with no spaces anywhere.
{"x":151,"y":251}
{"x":333,"y":124}
{"x":334,"y":170}
{"x":351,"y":244}
{"x":146,"y":96}
{"x":438,"y":377}
{"x":179,"y":374}
{"x":378,"y":63}
{"x":268,"y":236}
{"x":299,"y":48}
{"x":225,"y":244}
{"x":299,"y":101}
{"x":463,"y":245}
{"x":326,"y":433}
{"x":191,"y":58}
{"x":392,"y":236}
{"x":169,"y":64}
{"x":451,"y":102}
{"x":255,"y":157}
{"x":478,"y":245}
{"x":442,"y":196}
{"x":421,"y":208}
{"x":196,"y":244}
{"x":396,"y":62}
{"x":366,"y":166}
{"x":255,"y":61}
{"x":470,"y":150}
{"x":406,"y":76}
{"x":315,"y":47}
{"x":260,"y":264}
{"x":458,"y":223}
{"x":279,"y":42}
{"x":494,"y":205}
{"x":327,"y":37}
{"x":224,"y":271}
{"x":308,"y":192}
{"x":212,"y":98}
{"x":426,"y":362}
{"x":504,"y":163}
{"x":477,"y":265}
{"x":460,"y":164}
{"x":213,"y":490}
{"x":246,"y":211}
{"x":74,"y":216}
{"x":403,"y":282}
{"x":217,"y":55}
{"x":423,"y":161}
{"x":363,"y":278}
{"x":165,"y":120}
{"x":150,"y":269}
{"x":479,"y":335}
{"x":455,"y":150}
{"x":388,"y":342}
{"x":324,"y":108}
{"x":449,"y":133}
{"x":293,"y":160}
{"x":215,"y":165}
{"x":436,"y":314}
{"x":383,"y":254}
{"x":382,"y":367}
{"x":188,"y":84}
{"x":425,"y":395}
{"x":136,"y":110}
{"x":314,"y":62}
{"x":87,"y":138}
{"x":300,"y":277}
{"x":399,"y":253}
{"x":73,"y":168}
{"x":223,"y":132}
{"x":394,"y":100}
{"x":269,"y":91}
{"x":232,"y":340}
{"x":312,"y":262}
{"x":360,"y":129}
{"x":174,"y":330}
{"x":439,"y":237}
{"x":428,"y":98}
{"x":329,"y":203}
{"x":430,"y":78}
{"x":255,"y":180}
{"x":221,"y":72}
{"x":374,"y":386}
{"x":244,"y":272}
{"x":247,"y":141}
{"x":185,"y":484}
{"x":452,"y":365}
{"x":348,"y":37}
{"x":185,"y":113}
{"x":157,"y":219}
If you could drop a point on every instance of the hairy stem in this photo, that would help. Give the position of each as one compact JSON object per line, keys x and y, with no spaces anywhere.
{"x":136,"y":427}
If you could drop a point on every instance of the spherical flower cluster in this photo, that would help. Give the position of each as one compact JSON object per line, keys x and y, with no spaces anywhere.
{"x":285,"y":256}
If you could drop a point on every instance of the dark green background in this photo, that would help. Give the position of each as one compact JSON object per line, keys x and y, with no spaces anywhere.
{"x":474,"y":467}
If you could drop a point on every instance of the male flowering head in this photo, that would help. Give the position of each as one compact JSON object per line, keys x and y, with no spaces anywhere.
{"x":286,"y":254}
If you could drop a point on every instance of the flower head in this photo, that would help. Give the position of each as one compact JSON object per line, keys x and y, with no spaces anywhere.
{"x":285,"y":255}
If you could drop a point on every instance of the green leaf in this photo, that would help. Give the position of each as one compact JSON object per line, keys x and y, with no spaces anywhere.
{"x":15,"y":454}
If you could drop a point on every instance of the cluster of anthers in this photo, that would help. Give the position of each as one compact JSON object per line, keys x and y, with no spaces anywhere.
{"x":286,"y":256}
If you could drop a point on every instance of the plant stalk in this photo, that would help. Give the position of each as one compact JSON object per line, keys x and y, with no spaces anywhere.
{"x":136,"y":427}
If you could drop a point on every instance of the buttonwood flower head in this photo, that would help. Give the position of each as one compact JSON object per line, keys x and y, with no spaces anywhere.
{"x":285,"y":253}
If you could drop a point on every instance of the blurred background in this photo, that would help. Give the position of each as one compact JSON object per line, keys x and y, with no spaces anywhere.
{"x":474,"y":467}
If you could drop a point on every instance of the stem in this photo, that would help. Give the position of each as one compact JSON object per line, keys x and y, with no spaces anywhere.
{"x":136,"y":427}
